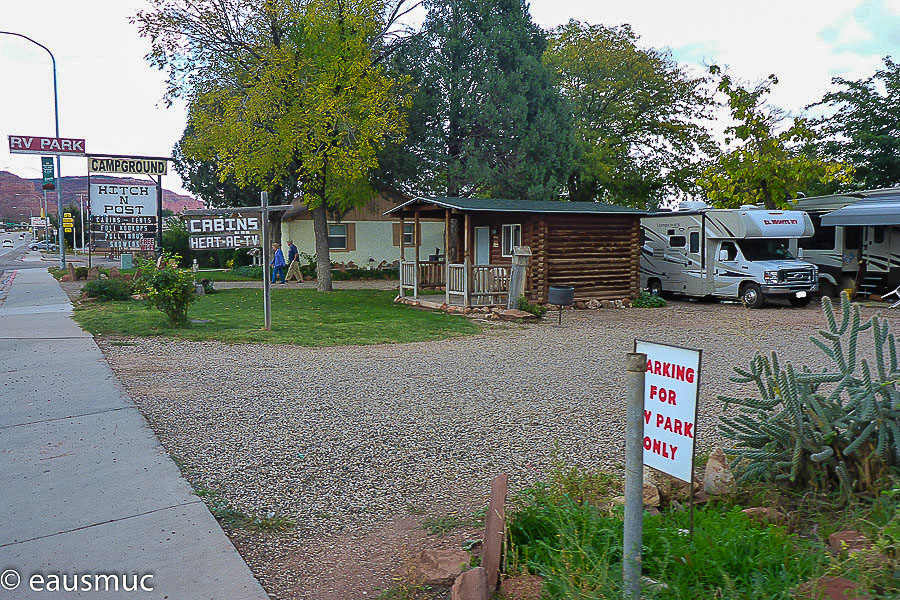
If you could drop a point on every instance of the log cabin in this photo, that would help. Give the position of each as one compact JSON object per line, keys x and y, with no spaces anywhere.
{"x":591,"y":246}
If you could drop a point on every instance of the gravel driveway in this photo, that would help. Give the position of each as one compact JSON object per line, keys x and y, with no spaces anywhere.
{"x":342,"y":438}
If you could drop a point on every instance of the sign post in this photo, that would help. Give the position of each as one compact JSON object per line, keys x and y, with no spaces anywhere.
{"x":267,"y":287}
{"x":635,"y":367}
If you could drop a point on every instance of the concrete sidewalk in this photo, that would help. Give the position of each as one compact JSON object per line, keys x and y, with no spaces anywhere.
{"x":86,"y":487}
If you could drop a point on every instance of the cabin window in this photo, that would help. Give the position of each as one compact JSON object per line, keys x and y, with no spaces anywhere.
{"x":337,"y":237}
{"x":408,"y":234}
{"x":878,"y":236}
{"x":822,"y":238}
{"x":695,"y":242}
{"x":677,"y":241}
{"x":512,"y":237}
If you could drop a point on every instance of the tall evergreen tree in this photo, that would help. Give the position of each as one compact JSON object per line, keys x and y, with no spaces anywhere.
{"x":487,"y":118}
{"x":864,"y":127}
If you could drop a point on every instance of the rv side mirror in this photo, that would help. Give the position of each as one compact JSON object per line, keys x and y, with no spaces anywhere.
{"x":723,"y":255}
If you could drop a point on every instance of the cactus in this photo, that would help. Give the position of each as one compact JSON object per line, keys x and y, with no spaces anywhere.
{"x":833,"y":428}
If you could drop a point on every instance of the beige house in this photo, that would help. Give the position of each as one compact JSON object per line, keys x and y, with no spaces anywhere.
{"x":364,"y":237}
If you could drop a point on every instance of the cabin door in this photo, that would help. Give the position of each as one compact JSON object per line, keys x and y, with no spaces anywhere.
{"x":482,"y":245}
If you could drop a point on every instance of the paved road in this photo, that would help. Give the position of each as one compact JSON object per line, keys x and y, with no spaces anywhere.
{"x":87,"y":489}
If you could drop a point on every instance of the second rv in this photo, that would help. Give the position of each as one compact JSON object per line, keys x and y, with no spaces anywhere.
{"x":727,"y":253}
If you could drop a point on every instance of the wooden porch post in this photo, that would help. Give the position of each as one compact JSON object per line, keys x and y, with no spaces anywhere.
{"x":416,"y":242}
{"x":447,"y":255}
{"x":466,"y":255}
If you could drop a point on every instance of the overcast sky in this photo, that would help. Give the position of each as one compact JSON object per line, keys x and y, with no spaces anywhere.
{"x":109,"y":95}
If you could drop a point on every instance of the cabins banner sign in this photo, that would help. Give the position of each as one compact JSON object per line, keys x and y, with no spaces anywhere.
{"x":213,"y":232}
{"x":671,"y":386}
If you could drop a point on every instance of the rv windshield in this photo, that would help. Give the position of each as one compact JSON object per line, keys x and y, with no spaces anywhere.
{"x":754,"y":250}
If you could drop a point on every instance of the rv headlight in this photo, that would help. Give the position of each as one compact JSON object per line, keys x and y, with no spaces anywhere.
{"x":771,"y":276}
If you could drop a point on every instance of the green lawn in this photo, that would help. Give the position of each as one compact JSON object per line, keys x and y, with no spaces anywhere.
{"x":301,"y":317}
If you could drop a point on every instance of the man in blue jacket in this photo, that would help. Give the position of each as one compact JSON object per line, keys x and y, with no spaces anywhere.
{"x":277,"y":263}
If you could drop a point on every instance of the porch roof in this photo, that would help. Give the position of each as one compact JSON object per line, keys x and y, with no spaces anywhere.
{"x":502,"y":205}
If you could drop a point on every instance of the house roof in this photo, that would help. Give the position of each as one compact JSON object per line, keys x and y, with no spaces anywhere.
{"x":531,"y":206}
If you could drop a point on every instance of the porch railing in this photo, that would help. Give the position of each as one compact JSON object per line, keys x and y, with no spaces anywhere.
{"x":431,"y":274}
{"x":408,"y":279}
{"x":467,"y":284}
{"x":490,"y":284}
{"x":457,"y":282}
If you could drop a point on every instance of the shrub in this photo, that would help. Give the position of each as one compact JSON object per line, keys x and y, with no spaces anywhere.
{"x":168,"y":288}
{"x":838,"y":427}
{"x":108,"y":289}
{"x":535,"y":309}
{"x":81,"y":272}
{"x":648,"y":300}
{"x":249,"y":271}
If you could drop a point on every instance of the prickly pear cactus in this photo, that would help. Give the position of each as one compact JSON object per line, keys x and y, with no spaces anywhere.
{"x":838,"y":427}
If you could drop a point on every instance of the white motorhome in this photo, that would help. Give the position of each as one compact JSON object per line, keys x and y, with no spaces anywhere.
{"x":857,"y":241}
{"x":727,"y":253}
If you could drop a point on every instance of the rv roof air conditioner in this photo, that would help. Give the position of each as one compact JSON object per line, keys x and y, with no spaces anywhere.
{"x":749,"y":207}
{"x":692,"y":205}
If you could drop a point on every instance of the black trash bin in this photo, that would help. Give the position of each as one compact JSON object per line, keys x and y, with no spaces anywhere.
{"x":561,"y":295}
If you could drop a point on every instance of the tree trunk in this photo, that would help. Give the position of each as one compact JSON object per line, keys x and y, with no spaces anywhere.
{"x":767,"y":197}
{"x":323,"y":256}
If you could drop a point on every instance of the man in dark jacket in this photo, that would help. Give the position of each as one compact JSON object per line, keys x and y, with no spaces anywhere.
{"x":293,"y":253}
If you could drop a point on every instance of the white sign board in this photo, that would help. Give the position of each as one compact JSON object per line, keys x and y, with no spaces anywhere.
{"x":132,"y":200}
{"x":39,"y":222}
{"x":671,"y":388}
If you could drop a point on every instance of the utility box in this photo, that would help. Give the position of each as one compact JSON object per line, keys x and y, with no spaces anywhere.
{"x":127,"y":261}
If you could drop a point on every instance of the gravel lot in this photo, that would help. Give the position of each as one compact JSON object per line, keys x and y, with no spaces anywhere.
{"x":344,"y":439}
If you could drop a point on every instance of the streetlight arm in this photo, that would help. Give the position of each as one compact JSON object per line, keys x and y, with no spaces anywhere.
{"x":62,"y":251}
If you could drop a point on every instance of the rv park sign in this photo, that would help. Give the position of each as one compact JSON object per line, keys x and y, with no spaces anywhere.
{"x":21,"y":144}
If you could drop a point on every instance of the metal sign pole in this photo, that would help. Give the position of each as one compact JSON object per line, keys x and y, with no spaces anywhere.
{"x":90,"y":222}
{"x":267,"y":289}
{"x":635,"y":367}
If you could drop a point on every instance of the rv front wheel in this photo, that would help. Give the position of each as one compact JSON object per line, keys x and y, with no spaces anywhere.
{"x":654,"y":287}
{"x":751,"y":296}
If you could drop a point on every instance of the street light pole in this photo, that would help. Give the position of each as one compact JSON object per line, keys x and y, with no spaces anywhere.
{"x":61,"y":240}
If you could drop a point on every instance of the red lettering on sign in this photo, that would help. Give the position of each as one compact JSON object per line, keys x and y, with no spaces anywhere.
{"x":647,"y":414}
{"x":670,"y":370}
{"x":658,"y":447}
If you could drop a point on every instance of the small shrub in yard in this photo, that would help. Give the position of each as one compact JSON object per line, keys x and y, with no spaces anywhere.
{"x":249,"y":271}
{"x":168,"y":288}
{"x":828,"y":429}
{"x":81,"y":272}
{"x":108,"y":289}
{"x":535,"y":309}
{"x":648,"y":300}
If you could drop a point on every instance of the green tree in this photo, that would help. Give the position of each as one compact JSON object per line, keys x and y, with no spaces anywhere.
{"x":761,"y":164}
{"x":284,"y":92}
{"x":488,"y":118}
{"x":637,"y":116}
{"x":863,"y":129}
{"x":202,"y":178}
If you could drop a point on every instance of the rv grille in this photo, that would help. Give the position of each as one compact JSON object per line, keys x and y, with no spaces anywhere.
{"x":796,"y":276}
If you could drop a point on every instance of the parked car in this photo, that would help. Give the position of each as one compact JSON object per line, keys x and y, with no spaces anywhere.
{"x":21,"y":236}
{"x":43,"y":245}
{"x":7,"y":244}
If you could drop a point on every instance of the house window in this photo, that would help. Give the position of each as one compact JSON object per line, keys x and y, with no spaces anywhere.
{"x":677,"y":241}
{"x":337,"y":237}
{"x":408,"y":234}
{"x":512,"y":237}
